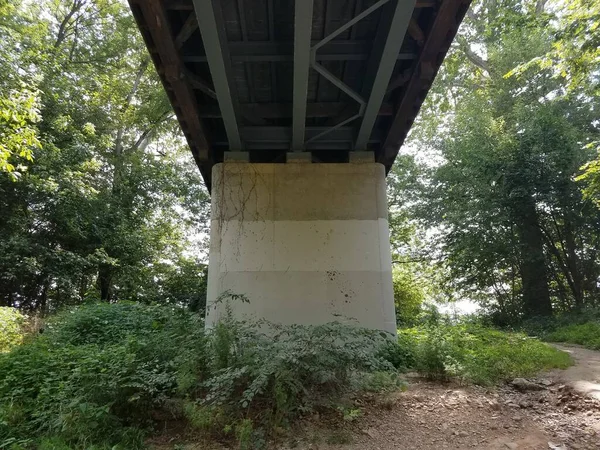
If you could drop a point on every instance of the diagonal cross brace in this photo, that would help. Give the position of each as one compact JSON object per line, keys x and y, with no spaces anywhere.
{"x":401,"y":5}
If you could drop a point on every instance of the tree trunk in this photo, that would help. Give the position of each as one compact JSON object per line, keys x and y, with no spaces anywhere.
{"x":43,"y":308}
{"x":104,"y":282}
{"x":573,"y":264}
{"x":536,"y":296}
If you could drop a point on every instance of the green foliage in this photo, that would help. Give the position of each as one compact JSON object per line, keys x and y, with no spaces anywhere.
{"x":586,"y":334}
{"x":99,"y":389}
{"x":272,"y":373}
{"x":510,"y":120}
{"x":100,"y":373}
{"x":400,"y":353}
{"x":408,"y":297}
{"x":11,"y":328}
{"x":477,"y":354}
{"x":106,"y":208}
{"x":104,"y":324}
{"x":591,"y":178}
{"x":18,"y":138}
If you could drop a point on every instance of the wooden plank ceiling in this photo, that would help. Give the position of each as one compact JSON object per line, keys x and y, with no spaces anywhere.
{"x":258,"y":79}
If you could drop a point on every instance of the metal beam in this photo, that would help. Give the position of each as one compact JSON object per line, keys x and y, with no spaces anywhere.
{"x":150,"y":13}
{"x":339,"y":83}
{"x":283,"y":134}
{"x":211,"y":26}
{"x":349,"y":24}
{"x":272,"y":68}
{"x":302,"y":33}
{"x":187,"y":4}
{"x":284,"y":110}
{"x":263,"y":51}
{"x":384,"y":64}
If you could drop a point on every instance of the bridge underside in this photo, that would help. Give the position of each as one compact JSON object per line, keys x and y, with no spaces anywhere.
{"x":256,"y":80}
{"x":328,"y":87}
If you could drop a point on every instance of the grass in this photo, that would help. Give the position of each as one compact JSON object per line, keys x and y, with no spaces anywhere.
{"x":576,"y":327}
{"x":476,"y":354}
{"x":586,"y":334}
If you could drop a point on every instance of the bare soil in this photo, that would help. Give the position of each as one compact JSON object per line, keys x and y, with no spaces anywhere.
{"x":560,"y":412}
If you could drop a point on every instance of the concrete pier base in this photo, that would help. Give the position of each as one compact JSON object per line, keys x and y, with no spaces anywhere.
{"x":305,"y":243}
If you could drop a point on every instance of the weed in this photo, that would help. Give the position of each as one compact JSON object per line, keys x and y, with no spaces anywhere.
{"x":586,"y":334}
{"x":99,"y":374}
{"x":480,"y":355}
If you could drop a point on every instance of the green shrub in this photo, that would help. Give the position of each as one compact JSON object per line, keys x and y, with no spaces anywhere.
{"x":586,"y":334}
{"x":100,"y":373}
{"x":408,"y":297}
{"x":479,"y":355}
{"x":400,"y":354}
{"x":439,"y":353}
{"x":105,"y":324}
{"x":272,"y":374}
{"x":11,"y":328}
{"x":99,"y":390}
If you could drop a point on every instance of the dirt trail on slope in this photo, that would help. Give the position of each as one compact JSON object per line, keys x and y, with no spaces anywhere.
{"x":563,"y":413}
{"x":584,"y":375}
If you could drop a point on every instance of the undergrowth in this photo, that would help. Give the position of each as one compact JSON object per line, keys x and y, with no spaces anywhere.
{"x":586,"y":334}
{"x":101,"y":376}
{"x":576,"y":327}
{"x":474,"y":354}
{"x":106,"y":376}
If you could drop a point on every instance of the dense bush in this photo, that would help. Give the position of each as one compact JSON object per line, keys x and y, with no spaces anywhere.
{"x":11,"y":328}
{"x":477,"y":354}
{"x":101,"y":387}
{"x":101,"y":374}
{"x":586,"y":334}
{"x":261,"y":376}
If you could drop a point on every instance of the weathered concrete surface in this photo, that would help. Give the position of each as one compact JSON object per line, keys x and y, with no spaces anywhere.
{"x":306,"y":243}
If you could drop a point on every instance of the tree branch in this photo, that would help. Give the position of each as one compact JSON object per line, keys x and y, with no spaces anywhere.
{"x":539,"y":7}
{"x":64,"y":24}
{"x":473,"y":57}
{"x":148,"y":131}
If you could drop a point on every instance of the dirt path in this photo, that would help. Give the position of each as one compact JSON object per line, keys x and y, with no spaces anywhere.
{"x":584,"y":375}
{"x":556,"y":415}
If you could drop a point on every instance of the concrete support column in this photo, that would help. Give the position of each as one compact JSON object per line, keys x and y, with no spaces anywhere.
{"x":305,"y":243}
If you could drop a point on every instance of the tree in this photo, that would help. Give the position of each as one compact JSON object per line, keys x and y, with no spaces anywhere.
{"x":112,"y":201}
{"x":511,"y":223}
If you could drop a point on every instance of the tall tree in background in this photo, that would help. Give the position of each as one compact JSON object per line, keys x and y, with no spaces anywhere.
{"x":104,"y":208}
{"x":506,"y":135}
